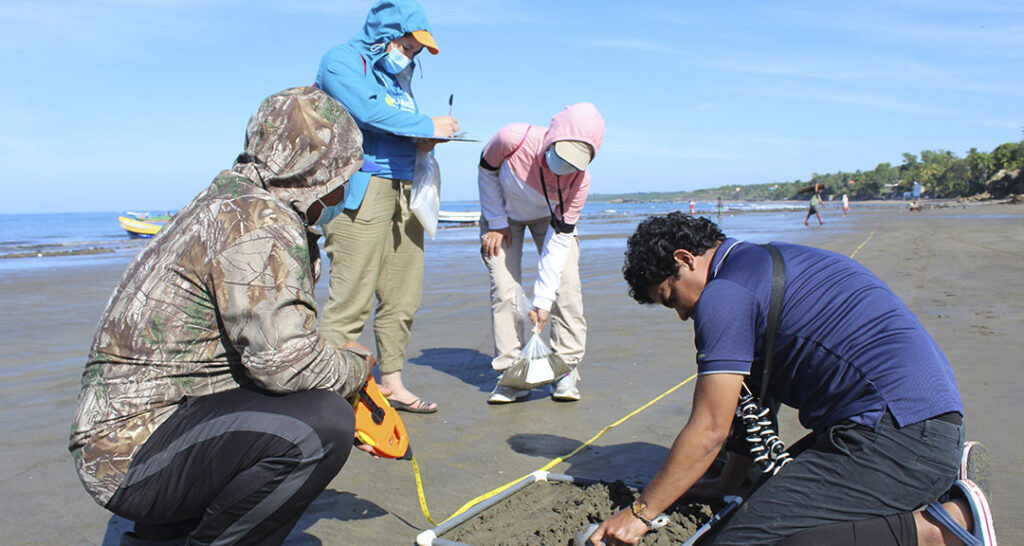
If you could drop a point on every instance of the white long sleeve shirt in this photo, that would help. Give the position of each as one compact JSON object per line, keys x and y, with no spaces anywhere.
{"x":503,"y":195}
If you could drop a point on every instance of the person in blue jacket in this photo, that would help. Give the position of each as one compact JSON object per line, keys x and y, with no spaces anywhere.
{"x":376,"y":245}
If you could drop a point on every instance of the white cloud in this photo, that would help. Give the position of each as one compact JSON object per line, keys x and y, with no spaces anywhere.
{"x":347,"y":11}
{"x":844,"y":68}
{"x":1005,"y":123}
{"x":830,"y":94}
{"x":632,"y":44}
{"x":484,"y":13}
{"x":76,"y":27}
{"x":650,"y":144}
{"x":944,"y":25}
{"x":439,"y":12}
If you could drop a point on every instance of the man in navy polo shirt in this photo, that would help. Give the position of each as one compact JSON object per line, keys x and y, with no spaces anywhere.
{"x":876,"y":391}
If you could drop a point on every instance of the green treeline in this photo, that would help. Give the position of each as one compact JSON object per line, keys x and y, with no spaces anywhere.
{"x":941,"y":174}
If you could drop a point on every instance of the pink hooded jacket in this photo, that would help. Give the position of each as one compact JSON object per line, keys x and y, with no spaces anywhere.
{"x":521,"y":146}
{"x":512,"y":188}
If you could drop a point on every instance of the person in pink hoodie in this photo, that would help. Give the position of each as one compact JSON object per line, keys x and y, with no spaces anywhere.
{"x":536,"y":178}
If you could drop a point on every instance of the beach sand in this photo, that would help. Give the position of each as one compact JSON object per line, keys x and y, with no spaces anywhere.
{"x":957,"y":268}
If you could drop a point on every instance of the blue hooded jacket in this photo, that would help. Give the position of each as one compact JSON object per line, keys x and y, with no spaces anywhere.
{"x":349,"y":72}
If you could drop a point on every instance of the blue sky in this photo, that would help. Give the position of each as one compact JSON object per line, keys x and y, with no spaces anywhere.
{"x":137,"y":104}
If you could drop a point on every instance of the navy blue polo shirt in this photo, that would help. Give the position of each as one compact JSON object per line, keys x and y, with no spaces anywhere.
{"x":847,"y":347}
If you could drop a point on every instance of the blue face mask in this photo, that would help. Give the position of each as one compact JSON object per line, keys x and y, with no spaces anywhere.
{"x":557,"y":164}
{"x":395,"y":61}
{"x":329,"y":213}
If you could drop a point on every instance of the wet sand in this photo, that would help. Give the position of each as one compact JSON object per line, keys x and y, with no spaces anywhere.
{"x":553,"y":513}
{"x":957,"y":268}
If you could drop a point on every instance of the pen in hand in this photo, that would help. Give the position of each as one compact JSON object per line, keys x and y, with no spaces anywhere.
{"x":451,"y":99}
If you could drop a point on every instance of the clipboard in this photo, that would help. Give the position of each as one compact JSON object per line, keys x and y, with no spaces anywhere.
{"x":455,"y":138}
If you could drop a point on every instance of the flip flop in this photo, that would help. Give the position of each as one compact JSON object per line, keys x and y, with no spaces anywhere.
{"x":417,"y":406}
{"x":984,"y":531}
{"x":976,"y":466}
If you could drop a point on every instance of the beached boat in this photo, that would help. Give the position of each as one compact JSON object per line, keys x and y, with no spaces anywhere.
{"x":451,"y":217}
{"x":141,"y":224}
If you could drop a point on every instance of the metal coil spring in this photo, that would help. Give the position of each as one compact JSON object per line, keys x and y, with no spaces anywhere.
{"x":765,"y":446}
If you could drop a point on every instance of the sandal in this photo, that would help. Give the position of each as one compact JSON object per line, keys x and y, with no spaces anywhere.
{"x":983,"y":532}
{"x":976,"y":466}
{"x":416,"y":406}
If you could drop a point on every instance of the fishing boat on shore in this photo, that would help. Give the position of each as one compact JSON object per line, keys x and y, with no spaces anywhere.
{"x":142,"y":225}
{"x":452,"y":217}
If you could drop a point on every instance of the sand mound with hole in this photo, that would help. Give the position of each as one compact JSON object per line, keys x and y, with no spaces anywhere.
{"x":552,"y":513}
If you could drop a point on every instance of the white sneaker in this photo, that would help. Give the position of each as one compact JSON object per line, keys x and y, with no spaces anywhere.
{"x":566,"y":389}
{"x":504,"y":395}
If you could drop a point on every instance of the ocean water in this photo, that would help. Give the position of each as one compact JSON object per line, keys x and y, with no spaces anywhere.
{"x":34,"y":241}
{"x":51,"y":240}
{"x":606,"y":226}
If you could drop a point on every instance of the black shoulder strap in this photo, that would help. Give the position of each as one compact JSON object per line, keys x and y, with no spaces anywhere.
{"x":774,"y":312}
{"x":559,"y":225}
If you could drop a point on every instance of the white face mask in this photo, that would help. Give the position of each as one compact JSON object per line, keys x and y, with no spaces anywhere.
{"x":557,"y":164}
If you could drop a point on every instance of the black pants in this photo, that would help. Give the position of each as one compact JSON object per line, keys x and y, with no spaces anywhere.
{"x":236,"y":467}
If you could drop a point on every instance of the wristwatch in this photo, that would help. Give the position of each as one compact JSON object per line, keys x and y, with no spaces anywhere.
{"x":637,"y":508}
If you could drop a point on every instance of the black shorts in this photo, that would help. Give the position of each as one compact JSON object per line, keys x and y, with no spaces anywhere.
{"x":851,"y":473}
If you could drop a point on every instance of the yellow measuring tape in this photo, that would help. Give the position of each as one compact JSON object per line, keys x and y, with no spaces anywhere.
{"x":557,"y":460}
{"x":419,"y":490}
{"x":862,"y":244}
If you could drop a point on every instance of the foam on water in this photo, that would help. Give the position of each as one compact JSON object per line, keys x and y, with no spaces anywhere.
{"x":30,"y":241}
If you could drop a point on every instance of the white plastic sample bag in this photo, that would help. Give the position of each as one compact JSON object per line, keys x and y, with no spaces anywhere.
{"x":425,"y":201}
{"x":536,"y":366}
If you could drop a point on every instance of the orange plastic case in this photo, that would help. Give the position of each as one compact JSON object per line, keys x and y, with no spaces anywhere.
{"x":378,"y":424}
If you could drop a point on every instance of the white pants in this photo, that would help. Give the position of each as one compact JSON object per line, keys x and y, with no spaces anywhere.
{"x":568,"y":327}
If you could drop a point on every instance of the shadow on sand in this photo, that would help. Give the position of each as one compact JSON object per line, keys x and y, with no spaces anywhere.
{"x":467,"y":365}
{"x":331,"y":504}
{"x":634,"y":463}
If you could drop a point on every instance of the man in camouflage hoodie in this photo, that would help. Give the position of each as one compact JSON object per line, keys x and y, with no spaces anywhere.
{"x":211,"y":406}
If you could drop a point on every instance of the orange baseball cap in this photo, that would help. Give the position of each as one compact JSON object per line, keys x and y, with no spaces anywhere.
{"x":426,"y":39}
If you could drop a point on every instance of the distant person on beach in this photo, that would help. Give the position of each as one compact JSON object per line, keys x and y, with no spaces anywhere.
{"x":846,"y":204}
{"x":813,"y":207}
{"x":211,"y":406}
{"x":693,"y":206}
{"x":376,"y":245}
{"x":719,"y":206}
{"x":536,"y":178}
{"x":878,"y":395}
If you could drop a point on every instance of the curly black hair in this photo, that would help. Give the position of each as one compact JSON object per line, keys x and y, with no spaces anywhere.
{"x":649,"y":252}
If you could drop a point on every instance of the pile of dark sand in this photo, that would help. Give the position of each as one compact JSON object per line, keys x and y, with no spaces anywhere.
{"x":553,"y":512}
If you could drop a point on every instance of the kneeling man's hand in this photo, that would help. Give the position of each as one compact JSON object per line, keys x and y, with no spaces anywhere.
{"x":621,"y":528}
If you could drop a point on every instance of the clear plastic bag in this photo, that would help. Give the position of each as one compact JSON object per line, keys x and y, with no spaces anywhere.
{"x":536,"y":366}
{"x":425,"y":201}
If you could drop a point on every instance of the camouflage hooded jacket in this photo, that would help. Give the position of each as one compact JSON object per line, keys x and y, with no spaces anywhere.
{"x":223,"y":296}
